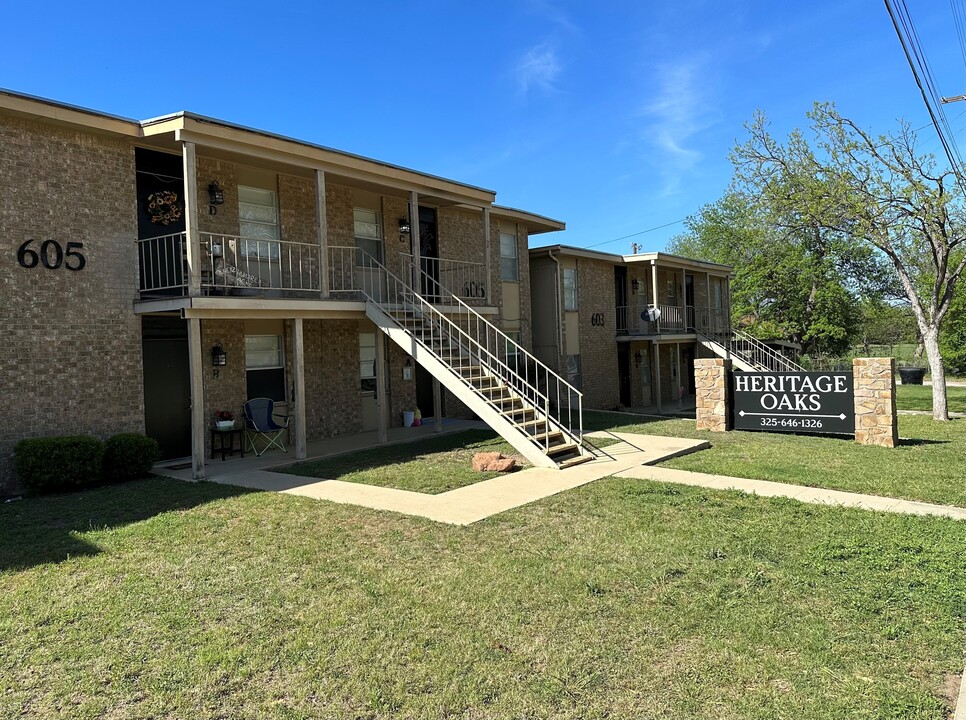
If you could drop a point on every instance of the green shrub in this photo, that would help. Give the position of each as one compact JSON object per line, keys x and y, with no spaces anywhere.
{"x":53,"y":464}
{"x":128,"y":456}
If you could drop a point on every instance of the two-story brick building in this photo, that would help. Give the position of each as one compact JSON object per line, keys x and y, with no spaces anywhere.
{"x":154,"y":272}
{"x":591,"y":322}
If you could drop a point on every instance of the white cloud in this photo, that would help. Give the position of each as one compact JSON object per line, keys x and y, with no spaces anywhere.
{"x":677,"y":113}
{"x":538,"y":68}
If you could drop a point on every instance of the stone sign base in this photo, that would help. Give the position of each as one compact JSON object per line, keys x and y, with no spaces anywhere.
{"x":874,"y":380}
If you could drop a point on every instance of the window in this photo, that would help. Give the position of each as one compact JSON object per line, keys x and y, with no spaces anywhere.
{"x":672,"y":292}
{"x":716,"y":294}
{"x":509,"y":261}
{"x":573,"y":371}
{"x":570,"y":288}
{"x":368,"y":234}
{"x":258,"y":222}
{"x":265,"y":364}
{"x":367,"y":361}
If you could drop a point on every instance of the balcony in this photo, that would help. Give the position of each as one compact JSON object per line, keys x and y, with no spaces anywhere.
{"x":248,"y":267}
{"x":674,"y":319}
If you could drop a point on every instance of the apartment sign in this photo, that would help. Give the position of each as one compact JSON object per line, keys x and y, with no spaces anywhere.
{"x":808,"y":402}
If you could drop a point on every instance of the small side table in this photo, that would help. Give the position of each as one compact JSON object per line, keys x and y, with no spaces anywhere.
{"x":227,"y":442}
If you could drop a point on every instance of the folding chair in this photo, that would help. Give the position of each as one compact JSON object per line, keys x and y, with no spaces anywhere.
{"x":260,"y":423}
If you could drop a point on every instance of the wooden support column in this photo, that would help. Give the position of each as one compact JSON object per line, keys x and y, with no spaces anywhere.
{"x":192,"y":232}
{"x":298,"y":369}
{"x":657,"y":323}
{"x":677,"y":390}
{"x":414,"y":236}
{"x":657,"y":373}
{"x":487,"y":244}
{"x":437,"y":407}
{"x":707,"y":282}
{"x":323,"y":232}
{"x":196,"y":375}
{"x":382,"y":400}
{"x":684,"y":299}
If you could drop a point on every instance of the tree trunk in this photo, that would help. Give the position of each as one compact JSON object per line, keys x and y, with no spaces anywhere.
{"x":930,"y":340}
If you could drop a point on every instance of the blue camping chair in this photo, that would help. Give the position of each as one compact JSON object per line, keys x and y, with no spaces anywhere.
{"x":260,"y":423}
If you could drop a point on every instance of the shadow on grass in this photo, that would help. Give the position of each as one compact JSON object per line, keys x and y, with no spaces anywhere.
{"x":44,"y":529}
{"x":333,"y":467}
{"x":921,"y":441}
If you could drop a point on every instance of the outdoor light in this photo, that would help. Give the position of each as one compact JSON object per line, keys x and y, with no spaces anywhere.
{"x":218,"y":356}
{"x":216,"y":196}
{"x":404,"y":228}
{"x":637,"y":358}
{"x":635,"y":286}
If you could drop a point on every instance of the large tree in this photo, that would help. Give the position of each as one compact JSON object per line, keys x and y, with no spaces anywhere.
{"x":790,"y":281}
{"x":877,"y":190}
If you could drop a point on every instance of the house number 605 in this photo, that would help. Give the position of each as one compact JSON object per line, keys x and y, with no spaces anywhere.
{"x":51,"y":255}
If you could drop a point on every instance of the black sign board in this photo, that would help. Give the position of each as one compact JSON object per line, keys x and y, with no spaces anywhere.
{"x":809,"y":402}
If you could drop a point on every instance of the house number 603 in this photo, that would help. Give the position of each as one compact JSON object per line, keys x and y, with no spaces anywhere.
{"x":51,"y":255}
{"x":597,"y":319}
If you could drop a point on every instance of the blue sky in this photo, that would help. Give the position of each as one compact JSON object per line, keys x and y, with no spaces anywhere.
{"x":615,"y":117}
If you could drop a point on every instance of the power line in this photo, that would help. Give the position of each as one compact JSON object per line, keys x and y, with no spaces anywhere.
{"x":642,"y":232}
{"x":912,"y":48}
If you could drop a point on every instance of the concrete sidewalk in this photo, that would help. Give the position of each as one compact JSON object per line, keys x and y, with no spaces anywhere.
{"x":634,"y":456}
{"x":816,"y":496}
{"x":472,"y":503}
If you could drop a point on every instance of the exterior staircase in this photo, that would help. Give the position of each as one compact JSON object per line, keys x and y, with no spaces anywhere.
{"x":523,"y":400}
{"x":747,"y":353}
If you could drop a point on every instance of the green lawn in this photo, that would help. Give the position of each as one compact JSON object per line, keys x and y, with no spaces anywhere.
{"x":919,"y":397}
{"x":431,"y":466}
{"x":620,"y":599}
{"x":927,"y":466}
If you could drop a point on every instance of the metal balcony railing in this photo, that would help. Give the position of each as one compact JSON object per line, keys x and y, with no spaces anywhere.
{"x":229,"y":265}
{"x":631,"y":320}
{"x":466,"y":280}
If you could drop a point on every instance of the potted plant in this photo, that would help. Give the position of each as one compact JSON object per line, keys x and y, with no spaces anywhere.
{"x":224,"y":419}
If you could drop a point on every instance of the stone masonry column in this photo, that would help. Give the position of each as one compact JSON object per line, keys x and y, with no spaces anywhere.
{"x":874,"y":381}
{"x":711,"y":391}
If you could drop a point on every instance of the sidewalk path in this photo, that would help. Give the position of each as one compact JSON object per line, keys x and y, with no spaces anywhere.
{"x":634,"y":456}
{"x":816,"y":496}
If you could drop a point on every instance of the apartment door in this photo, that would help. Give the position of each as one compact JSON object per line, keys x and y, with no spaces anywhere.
{"x":424,"y":393}
{"x":687,"y":359}
{"x":429,"y":251}
{"x":624,"y":375}
{"x":620,"y":298}
{"x":160,"y":207}
{"x":689,"y":302}
{"x":167,"y":385}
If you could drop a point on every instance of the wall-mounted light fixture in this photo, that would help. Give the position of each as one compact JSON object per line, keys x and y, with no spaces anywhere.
{"x":219,"y":358}
{"x":637,"y":358}
{"x":408,"y":369}
{"x":216,"y":196}
{"x":635,"y":285}
{"x":404,"y":229}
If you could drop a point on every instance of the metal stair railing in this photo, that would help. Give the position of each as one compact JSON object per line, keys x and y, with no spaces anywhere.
{"x":478,"y":344}
{"x":752,"y":350}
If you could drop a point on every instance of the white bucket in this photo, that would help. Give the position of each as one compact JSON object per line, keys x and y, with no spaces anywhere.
{"x":408,"y":417}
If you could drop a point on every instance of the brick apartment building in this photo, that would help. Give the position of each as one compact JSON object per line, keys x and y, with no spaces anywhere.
{"x":588,"y":322}
{"x":137,"y":255}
